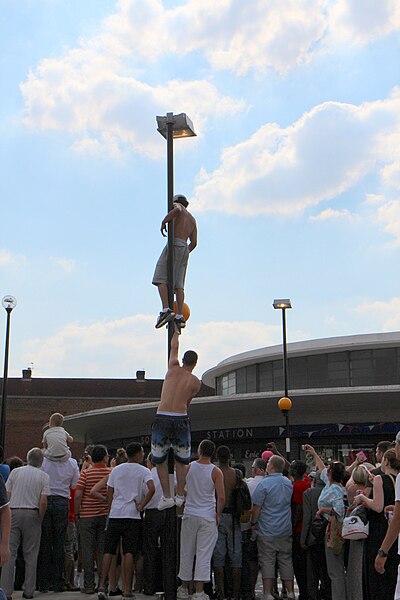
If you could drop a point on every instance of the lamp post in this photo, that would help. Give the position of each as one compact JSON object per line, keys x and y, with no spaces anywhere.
{"x":171,"y":127}
{"x":285,"y":404}
{"x":9,"y":303}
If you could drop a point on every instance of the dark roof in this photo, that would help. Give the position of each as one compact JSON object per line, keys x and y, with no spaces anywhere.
{"x":112,"y":388}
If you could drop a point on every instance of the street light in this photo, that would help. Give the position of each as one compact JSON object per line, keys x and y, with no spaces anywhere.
{"x":9,"y":303}
{"x":172,"y":127}
{"x":285,"y":404}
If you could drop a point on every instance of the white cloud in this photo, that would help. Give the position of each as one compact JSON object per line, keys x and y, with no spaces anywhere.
{"x":8,"y":259}
{"x":374,"y":198}
{"x":389,"y":216}
{"x":284,"y":170}
{"x":66,"y":264}
{"x":388,"y":313}
{"x":118,"y":348}
{"x":362,"y":21}
{"x":330,"y":213}
{"x":232,"y":34}
{"x":107,"y":111}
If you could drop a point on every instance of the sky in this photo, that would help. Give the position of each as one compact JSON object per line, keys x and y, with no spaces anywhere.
{"x":294,"y":176}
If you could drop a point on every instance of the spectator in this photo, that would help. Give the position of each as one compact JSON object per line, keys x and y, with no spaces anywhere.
{"x":273,"y":518}
{"x":330,"y":504}
{"x":378,"y":585}
{"x":229,"y":542}
{"x":318,"y":582}
{"x":69,"y":547}
{"x":301,"y":483}
{"x":5,"y":524}
{"x":28,"y":489}
{"x":4,"y":467}
{"x":14,"y":462}
{"x":205,"y":501}
{"x":91,"y":515}
{"x":154,"y":534}
{"x":63,"y":476}
{"x":393,"y":532}
{"x":124,"y":496}
{"x":258,"y":471}
{"x":56,"y":439}
{"x":354,"y":574}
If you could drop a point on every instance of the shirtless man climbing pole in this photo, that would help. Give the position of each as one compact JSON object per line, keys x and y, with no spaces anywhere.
{"x":171,"y":427}
{"x":185,"y":229}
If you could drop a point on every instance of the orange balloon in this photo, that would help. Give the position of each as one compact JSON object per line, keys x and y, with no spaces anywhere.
{"x":185,"y":311}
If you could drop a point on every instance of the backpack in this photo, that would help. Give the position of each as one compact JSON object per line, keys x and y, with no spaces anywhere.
{"x":355,"y":525}
{"x":241,"y":499}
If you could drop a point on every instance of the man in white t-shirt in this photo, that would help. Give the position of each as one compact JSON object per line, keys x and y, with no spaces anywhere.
{"x":393,"y":531}
{"x":125,"y":498}
{"x":205,"y":500}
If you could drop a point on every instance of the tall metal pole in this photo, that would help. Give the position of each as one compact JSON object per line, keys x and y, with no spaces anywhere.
{"x":5,"y":381}
{"x":170,"y":187}
{"x":286,"y":383}
{"x":170,"y":525}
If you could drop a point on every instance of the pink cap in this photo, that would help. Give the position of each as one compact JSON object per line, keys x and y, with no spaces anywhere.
{"x":266,"y":455}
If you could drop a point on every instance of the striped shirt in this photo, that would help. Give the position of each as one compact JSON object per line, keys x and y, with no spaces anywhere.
{"x":91,"y":506}
{"x":26,"y":485}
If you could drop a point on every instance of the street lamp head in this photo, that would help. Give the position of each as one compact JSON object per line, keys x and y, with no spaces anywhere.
{"x":9,"y":302}
{"x":282,"y":303}
{"x":284,"y":404}
{"x":182,"y":125}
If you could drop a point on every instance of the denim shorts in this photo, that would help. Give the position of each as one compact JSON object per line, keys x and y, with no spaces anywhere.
{"x":170,"y":432}
{"x":229,"y":542}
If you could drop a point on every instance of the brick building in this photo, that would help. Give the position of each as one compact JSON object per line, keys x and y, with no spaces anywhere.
{"x":30,"y":402}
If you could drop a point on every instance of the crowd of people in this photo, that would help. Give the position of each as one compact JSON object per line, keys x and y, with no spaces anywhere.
{"x":105,"y":519}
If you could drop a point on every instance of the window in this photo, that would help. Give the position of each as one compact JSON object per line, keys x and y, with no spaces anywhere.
{"x":229,"y":384}
{"x":298,"y":373}
{"x":361,"y":367}
{"x":317,"y":371}
{"x":338,"y":369}
{"x":265,"y":377}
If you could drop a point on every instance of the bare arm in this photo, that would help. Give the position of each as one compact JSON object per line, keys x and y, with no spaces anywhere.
{"x":390,"y":537}
{"x":5,"y":521}
{"x":171,"y":215}
{"x":218,"y":479}
{"x":150,"y":493}
{"x":77,"y":501}
{"x":377,"y":502}
{"x":193,"y":239}
{"x":42,"y":506}
{"x":110,"y":495}
{"x":318,"y":461}
{"x":70,"y":439}
{"x":173,"y":357}
{"x":95,"y":491}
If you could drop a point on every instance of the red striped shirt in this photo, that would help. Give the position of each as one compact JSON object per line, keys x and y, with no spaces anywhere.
{"x":91,"y":506}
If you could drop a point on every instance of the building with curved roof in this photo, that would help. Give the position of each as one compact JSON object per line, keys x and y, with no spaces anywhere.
{"x":345,"y":393}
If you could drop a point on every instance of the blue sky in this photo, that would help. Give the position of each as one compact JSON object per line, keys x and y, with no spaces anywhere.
{"x":294,"y":177}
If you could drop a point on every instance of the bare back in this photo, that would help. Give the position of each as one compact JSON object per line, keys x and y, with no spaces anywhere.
{"x":184,"y":224}
{"x":178,"y":390}
{"x":229,"y":482}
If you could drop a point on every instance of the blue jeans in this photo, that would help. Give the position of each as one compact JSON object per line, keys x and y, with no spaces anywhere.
{"x":52,"y":545}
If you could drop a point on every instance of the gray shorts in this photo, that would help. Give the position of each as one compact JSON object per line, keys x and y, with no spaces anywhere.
{"x":181,"y":257}
{"x":272,"y":550}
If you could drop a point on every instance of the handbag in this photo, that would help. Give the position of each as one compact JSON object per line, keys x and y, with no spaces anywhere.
{"x":318,"y":529}
{"x":334,"y":535}
{"x":355,"y":525}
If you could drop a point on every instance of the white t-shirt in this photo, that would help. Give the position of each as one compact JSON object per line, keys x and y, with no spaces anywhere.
{"x":127,"y":480}
{"x":56,"y":440}
{"x":398,"y":500}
